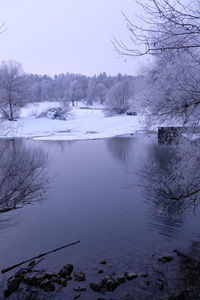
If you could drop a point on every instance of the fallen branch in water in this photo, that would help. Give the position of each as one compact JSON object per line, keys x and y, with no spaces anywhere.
{"x":38,"y":256}
{"x":34,"y":264}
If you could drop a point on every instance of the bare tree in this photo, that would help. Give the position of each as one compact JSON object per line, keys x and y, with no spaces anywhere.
{"x":118,"y":98}
{"x":12,"y":88}
{"x":167,"y":25}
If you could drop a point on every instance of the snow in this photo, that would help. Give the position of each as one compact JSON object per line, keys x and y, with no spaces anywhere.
{"x":35,"y":109}
{"x":85,"y":124}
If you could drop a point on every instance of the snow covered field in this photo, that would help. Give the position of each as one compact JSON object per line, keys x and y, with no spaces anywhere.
{"x":83,"y":124}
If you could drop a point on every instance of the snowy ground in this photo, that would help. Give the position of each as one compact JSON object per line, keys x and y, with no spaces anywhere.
{"x":84,"y":124}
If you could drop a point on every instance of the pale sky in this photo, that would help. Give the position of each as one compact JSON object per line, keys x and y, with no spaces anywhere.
{"x":59,"y":36}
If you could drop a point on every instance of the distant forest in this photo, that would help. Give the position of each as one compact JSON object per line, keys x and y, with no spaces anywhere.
{"x":74,"y":87}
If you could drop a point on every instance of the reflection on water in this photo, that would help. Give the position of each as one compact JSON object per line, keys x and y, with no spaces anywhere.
{"x":120,"y":148}
{"x":23,"y":178}
{"x":171,"y":179}
{"x":91,"y":199}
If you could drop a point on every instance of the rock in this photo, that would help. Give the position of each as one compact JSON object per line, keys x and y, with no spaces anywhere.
{"x":77,"y":296}
{"x":13,"y":283}
{"x":7,"y":293}
{"x":120,"y":279}
{"x":49,"y":275}
{"x":144,"y":274}
{"x":107,"y":284}
{"x":54,"y":278}
{"x":79,"y":289}
{"x":64,"y":282}
{"x":33,"y":281}
{"x":111,"y":285}
{"x":103,"y":289}
{"x":96,"y":287}
{"x":159,"y":284}
{"x":21,"y":273}
{"x":29,"y":294}
{"x":79,"y":276}
{"x":57,"y":279}
{"x":165,"y":259}
{"x":105,"y":279}
{"x":66,"y":270}
{"x":130,"y":275}
{"x":39,"y":276}
{"x":36,"y":279}
{"x":29,"y":280}
{"x":100,"y":271}
{"x":103,"y":262}
{"x":47,"y":285}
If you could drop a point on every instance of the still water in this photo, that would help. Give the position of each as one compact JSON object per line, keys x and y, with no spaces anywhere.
{"x":98,"y":192}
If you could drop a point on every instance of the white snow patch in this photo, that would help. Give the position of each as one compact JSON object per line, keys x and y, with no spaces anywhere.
{"x":86,"y":124}
{"x":35,"y":109}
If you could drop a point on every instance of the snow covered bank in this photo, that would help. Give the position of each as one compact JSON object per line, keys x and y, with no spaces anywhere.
{"x":35,"y":109}
{"x":85,"y":124}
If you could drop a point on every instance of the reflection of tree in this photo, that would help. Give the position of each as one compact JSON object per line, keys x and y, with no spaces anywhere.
{"x":9,"y":219}
{"x":172,"y":180}
{"x":23,"y":176}
{"x":120,"y":148}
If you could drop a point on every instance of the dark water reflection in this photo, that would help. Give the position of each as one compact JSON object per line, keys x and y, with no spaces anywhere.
{"x":23,"y":179}
{"x":171,"y":179}
{"x":110,"y":194}
{"x":120,"y":148}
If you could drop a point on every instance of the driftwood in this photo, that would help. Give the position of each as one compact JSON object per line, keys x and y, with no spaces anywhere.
{"x":38,"y":256}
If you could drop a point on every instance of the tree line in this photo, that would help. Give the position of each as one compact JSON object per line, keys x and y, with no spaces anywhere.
{"x":18,"y":88}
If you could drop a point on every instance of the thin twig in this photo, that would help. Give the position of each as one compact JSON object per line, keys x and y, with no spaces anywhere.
{"x":38,"y":256}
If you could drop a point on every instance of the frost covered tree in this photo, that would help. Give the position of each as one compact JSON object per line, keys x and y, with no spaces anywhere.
{"x":118,"y":98}
{"x":172,"y":89}
{"x":12,"y":88}
{"x":171,"y":33}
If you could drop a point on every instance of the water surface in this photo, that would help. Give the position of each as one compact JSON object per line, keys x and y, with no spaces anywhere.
{"x":97,"y":194}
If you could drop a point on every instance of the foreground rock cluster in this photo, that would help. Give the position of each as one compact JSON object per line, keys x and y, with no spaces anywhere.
{"x":40,"y":280}
{"x":110,"y":283}
{"x":49,"y":281}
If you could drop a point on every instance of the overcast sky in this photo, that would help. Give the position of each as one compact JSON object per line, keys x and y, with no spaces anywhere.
{"x":59,"y":36}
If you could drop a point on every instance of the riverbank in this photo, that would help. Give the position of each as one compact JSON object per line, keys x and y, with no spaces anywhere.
{"x":81,"y":124}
